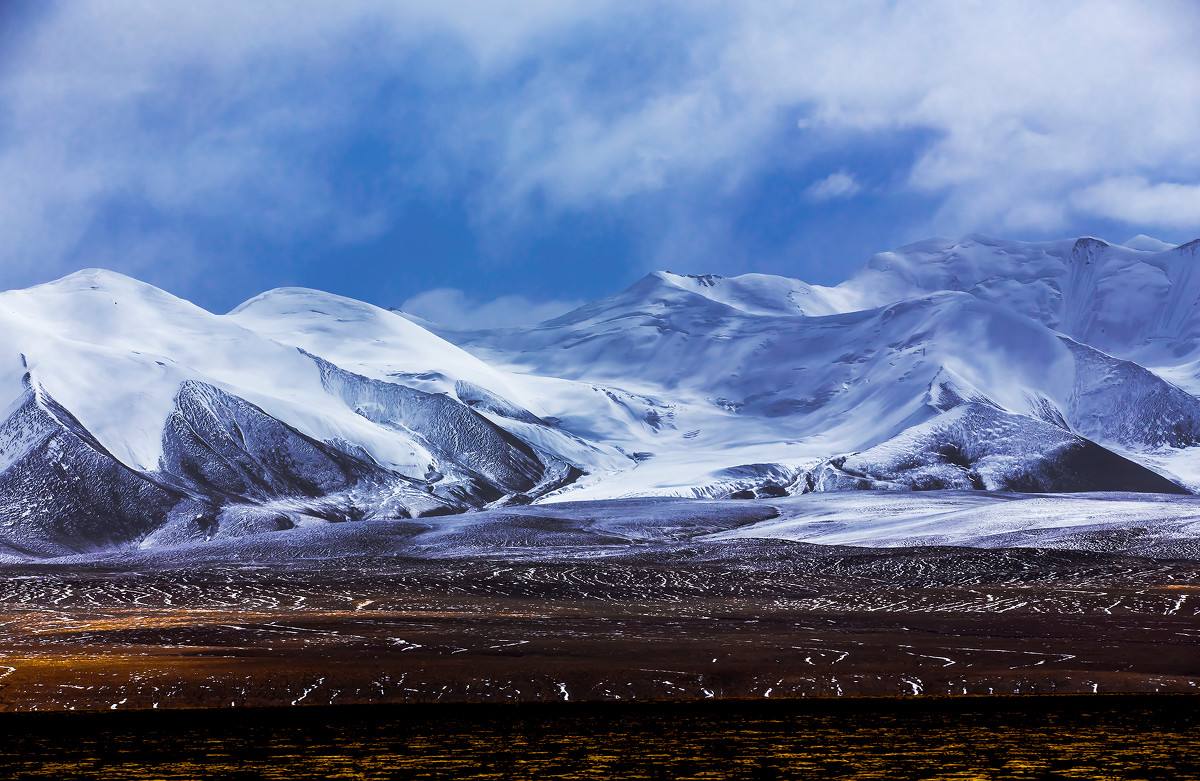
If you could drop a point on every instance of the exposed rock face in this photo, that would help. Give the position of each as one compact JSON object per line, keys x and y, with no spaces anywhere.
{"x":62,"y":492}
{"x":977,"y":446}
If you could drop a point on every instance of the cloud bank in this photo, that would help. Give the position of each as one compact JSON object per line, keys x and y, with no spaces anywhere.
{"x":1134,"y":199}
{"x":131,"y":128}
{"x":454,"y":309}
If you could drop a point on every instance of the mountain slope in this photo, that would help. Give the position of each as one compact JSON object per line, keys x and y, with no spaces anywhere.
{"x":153,"y":405}
{"x":1133,"y":303}
{"x":381,"y":346}
{"x":743,"y":384}
{"x":978,"y":446}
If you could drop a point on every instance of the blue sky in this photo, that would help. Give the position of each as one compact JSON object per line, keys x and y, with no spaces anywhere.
{"x":486,"y":165}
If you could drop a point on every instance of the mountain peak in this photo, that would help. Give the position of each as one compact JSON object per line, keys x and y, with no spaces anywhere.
{"x":307,"y":298}
{"x":98,"y":290}
{"x":97,"y":279}
{"x":1145,"y":243}
{"x":705,"y":280}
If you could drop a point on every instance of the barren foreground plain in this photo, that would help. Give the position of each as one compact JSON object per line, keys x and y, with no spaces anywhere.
{"x":742,"y":620}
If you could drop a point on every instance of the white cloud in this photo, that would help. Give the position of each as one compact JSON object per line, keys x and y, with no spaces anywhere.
{"x":455,"y":309}
{"x":1135,"y":200}
{"x":223,"y":111}
{"x":1021,"y":102}
{"x":837,"y":185}
{"x":227,"y":110}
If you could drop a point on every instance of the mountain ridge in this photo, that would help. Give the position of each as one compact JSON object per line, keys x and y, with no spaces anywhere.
{"x":973,"y":363}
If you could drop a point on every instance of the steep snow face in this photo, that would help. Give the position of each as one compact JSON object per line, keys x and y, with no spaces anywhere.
{"x":1020,"y":276}
{"x":1132,"y":302}
{"x":1121,"y":402}
{"x":459,"y":436}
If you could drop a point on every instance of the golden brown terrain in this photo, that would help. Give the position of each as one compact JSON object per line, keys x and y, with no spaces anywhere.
{"x":789,"y":621}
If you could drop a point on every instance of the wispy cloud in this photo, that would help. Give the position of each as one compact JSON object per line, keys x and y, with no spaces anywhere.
{"x":452,"y":308}
{"x":1135,"y":200}
{"x":838,"y":184}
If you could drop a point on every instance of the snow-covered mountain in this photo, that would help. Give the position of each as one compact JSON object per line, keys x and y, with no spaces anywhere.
{"x":135,"y":416}
{"x":132,"y":417}
{"x":766,"y":381}
{"x":1140,"y":302}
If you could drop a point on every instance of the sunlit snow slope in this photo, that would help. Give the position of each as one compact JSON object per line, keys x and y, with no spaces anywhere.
{"x":135,"y":416}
